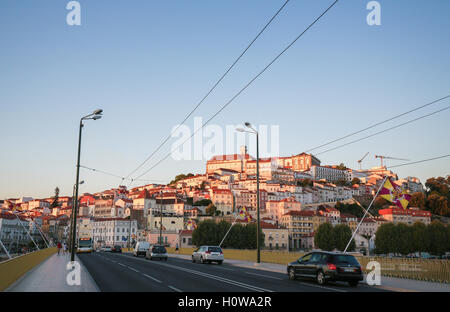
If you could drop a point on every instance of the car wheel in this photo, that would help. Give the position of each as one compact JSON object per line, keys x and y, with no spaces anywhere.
{"x":353,"y":283}
{"x":193,"y":260}
{"x":291,"y":274}
{"x":202,"y":261}
{"x":219,"y":262}
{"x":320,"y":278}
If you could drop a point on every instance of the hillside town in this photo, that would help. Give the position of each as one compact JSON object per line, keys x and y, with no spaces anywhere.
{"x":297,"y":195}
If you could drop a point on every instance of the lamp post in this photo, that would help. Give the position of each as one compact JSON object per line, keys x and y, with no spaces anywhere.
{"x":258,"y":248}
{"x":71,"y":217}
{"x":97,"y":114}
{"x":160,"y":218}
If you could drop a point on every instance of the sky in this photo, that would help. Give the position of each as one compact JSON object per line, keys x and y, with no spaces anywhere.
{"x":148,"y":63}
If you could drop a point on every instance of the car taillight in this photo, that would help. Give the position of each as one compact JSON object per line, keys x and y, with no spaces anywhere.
{"x":221,"y":253}
{"x":208,"y":252}
{"x":331,"y":266}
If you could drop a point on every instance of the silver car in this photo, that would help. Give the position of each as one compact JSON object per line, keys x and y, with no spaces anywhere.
{"x":157,"y":252}
{"x":208,"y":254}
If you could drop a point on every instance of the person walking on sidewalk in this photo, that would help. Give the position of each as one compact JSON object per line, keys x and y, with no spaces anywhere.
{"x":64,"y":248}
{"x":59,"y":247}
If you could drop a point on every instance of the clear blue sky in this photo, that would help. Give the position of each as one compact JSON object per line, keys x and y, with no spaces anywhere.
{"x":147,"y":63}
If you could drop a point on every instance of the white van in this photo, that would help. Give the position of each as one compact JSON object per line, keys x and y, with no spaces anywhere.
{"x":141,"y":249}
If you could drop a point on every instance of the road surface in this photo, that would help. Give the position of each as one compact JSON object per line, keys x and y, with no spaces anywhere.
{"x":123,"y":272}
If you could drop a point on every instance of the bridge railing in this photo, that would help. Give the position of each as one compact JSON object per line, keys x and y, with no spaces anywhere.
{"x":12,"y":269}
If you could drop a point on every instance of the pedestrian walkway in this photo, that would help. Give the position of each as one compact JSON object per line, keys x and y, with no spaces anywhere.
{"x":388,"y":283}
{"x":50,"y":276}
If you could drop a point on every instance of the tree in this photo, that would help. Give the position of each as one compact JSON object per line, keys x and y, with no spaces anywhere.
{"x":55,"y":202}
{"x":418,"y":237}
{"x":341,"y":166}
{"x":211,"y":210}
{"x":402,"y":239}
{"x":306,"y":182}
{"x":417,"y":200}
{"x":203,"y":202}
{"x":355,"y":181}
{"x":324,"y":238}
{"x":384,"y":239}
{"x":437,"y":238}
{"x":438,"y":204}
{"x":439,"y":185}
{"x":205,"y":233}
{"x":342,"y":234}
{"x":353,"y":209}
{"x":181,"y":177}
{"x":240,"y":236}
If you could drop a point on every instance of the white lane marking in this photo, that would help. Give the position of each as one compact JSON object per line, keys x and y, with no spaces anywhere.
{"x":121,"y":264}
{"x":277,"y":278}
{"x":152,"y":278}
{"x":222,"y":268}
{"x":133,"y":269}
{"x":173,"y":288}
{"x":218,"y":278}
{"x":323,"y":287}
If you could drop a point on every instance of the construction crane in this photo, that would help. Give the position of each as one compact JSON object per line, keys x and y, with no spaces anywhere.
{"x":359,"y":161}
{"x":387,"y":157}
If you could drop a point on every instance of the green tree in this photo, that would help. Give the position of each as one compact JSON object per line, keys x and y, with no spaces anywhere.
{"x":356,"y":181}
{"x":205,"y":234}
{"x":342,"y":234}
{"x":211,"y":210}
{"x":55,"y":202}
{"x":324,"y":237}
{"x":306,"y":182}
{"x":181,"y":177}
{"x":203,"y":202}
{"x":437,"y":237}
{"x":402,"y":238}
{"x":384,"y":239}
{"x":419,"y":237}
{"x":353,"y":209}
{"x":341,"y":166}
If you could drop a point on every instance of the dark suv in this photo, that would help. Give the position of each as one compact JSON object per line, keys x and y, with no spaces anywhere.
{"x":116,"y":248}
{"x":326,"y":266}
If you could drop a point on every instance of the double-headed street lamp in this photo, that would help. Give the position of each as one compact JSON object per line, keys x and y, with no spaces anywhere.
{"x":248,"y":125}
{"x":97,"y":114}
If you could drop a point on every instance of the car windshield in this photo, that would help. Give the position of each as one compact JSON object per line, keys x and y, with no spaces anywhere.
{"x":215,"y":249}
{"x":159,"y":249}
{"x":344,"y":259}
{"x":116,"y":247}
{"x":143,"y":246}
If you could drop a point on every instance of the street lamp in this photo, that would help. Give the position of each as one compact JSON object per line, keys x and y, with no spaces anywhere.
{"x":97,"y":114}
{"x":71,"y":217}
{"x":160,"y":218}
{"x":248,"y":125}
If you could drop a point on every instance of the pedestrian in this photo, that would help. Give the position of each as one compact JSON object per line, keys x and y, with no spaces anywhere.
{"x":176,"y":247}
{"x":59,"y":247}
{"x":64,"y":248}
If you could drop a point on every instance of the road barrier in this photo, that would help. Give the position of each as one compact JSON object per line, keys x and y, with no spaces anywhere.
{"x":419,"y":269}
{"x":11,"y":270}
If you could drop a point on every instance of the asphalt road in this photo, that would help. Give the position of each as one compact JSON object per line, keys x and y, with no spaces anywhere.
{"x":123,"y":272}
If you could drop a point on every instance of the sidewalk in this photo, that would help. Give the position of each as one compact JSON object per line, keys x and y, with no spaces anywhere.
{"x":50,"y":276}
{"x":388,"y":283}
